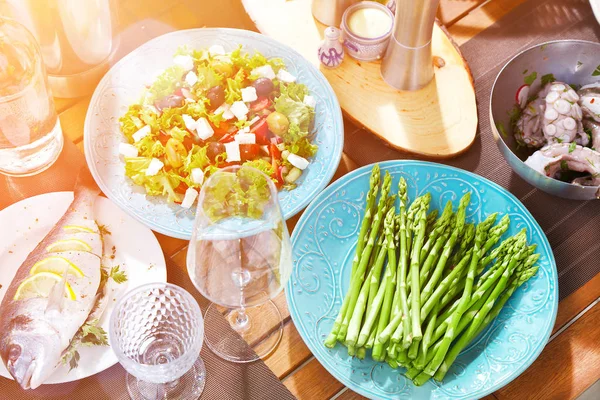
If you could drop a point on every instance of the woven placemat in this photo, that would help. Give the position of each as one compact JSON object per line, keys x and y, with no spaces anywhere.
{"x":572,"y":227}
{"x":224,"y":380}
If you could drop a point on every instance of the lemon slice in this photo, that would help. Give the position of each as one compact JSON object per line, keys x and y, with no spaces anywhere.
{"x":55,"y":265}
{"x":40,"y":285}
{"x":77,"y":228}
{"x":68,"y":245}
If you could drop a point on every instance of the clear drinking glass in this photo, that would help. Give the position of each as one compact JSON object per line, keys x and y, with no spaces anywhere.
{"x":240,"y":258}
{"x":156,"y":331}
{"x":30,"y":135}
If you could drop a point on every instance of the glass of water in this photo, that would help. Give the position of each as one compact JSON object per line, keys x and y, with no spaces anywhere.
{"x":30,"y":135}
{"x":156,"y":331}
{"x":239,"y":258}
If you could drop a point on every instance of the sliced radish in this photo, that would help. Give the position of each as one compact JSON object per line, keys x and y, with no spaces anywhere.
{"x":522,"y":96}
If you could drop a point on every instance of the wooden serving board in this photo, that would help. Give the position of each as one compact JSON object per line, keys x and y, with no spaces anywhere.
{"x":438,"y":121}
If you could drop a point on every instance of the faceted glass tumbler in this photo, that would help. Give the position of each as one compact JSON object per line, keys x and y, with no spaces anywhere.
{"x":157,"y":331}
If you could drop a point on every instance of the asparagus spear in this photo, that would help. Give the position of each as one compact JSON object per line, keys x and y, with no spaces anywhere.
{"x":389,"y":280}
{"x":465,"y":244}
{"x":403,"y":261}
{"x":438,"y":228}
{"x":364,"y":257}
{"x":444,"y":285}
{"x":459,"y":227}
{"x":434,"y":256}
{"x":361,"y":352}
{"x":370,"y":285}
{"x":371,"y":341}
{"x":481,"y":232}
{"x":366,"y":224}
{"x":469,"y":335}
{"x":431,"y":219}
{"x":415,"y":296}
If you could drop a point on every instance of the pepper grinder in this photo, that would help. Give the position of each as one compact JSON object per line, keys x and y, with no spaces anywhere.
{"x":408,"y":61}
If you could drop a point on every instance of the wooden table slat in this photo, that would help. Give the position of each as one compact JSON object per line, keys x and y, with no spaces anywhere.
{"x":312,"y":382}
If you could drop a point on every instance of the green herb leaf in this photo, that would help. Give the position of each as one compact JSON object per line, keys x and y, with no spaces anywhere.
{"x":93,"y":334}
{"x":579,"y":64}
{"x":596,"y":71}
{"x":559,"y":140}
{"x":543,"y":47}
{"x":524,"y":72}
{"x":117,"y":275}
{"x":529,"y":79}
{"x":572,"y":147}
{"x":564,"y":166}
{"x":104,"y":230}
{"x":74,"y":360}
{"x":500,"y":127}
{"x":514,"y":115}
{"x":575,"y":87}
{"x":547,"y":79}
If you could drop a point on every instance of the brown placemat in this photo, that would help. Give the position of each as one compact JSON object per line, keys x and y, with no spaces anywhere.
{"x":224,"y":380}
{"x":572,"y":227}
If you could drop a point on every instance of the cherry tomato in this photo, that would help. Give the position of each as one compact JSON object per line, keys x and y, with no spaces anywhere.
{"x":214,"y":149}
{"x":181,"y":188}
{"x":222,"y":128}
{"x":260,"y":104}
{"x":261,"y":131}
{"x":188,"y":142}
{"x":249,"y":151}
{"x":279,"y":176}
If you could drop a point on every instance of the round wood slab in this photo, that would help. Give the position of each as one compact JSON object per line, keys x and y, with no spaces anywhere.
{"x":438,"y":121}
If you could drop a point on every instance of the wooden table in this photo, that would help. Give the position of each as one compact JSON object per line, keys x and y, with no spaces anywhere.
{"x":569,"y":364}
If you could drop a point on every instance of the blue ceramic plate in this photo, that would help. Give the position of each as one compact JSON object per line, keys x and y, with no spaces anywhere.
{"x":323,"y":247}
{"x":123,"y":85}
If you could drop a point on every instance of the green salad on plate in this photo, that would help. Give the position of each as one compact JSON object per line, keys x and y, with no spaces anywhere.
{"x":213,"y":109}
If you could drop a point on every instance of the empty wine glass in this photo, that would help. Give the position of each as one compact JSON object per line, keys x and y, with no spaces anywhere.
{"x":240,"y":258}
{"x":156,"y":331}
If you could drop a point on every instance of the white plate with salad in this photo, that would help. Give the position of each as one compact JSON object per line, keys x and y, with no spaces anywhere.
{"x":187,"y":103}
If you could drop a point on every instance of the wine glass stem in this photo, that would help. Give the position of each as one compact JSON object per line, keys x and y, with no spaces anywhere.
{"x":241,"y":320}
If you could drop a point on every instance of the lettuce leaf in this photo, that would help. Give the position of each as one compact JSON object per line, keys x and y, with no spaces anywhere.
{"x":196,"y":158}
{"x":234,"y":86}
{"x":165,"y":84}
{"x":290,"y":103}
{"x":150,"y":147}
{"x":262,"y":165}
{"x":298,"y":142}
{"x":247,"y":61}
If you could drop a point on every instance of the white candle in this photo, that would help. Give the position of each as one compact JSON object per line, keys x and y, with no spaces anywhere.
{"x":369,"y":22}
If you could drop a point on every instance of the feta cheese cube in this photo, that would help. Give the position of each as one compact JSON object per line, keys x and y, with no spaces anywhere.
{"x":191,"y":78}
{"x":245,"y":129}
{"x":297,"y":161}
{"x":189,"y":198}
{"x":224,"y":109}
{"x":204,"y":129}
{"x":239,"y":109}
{"x":186,"y":62}
{"x":190,"y":123}
{"x":128,"y":150}
{"x":155,"y":166}
{"x":216,"y":50}
{"x":245,"y":138}
{"x":249,"y":94}
{"x":141,"y":133}
{"x":266,"y":71}
{"x":285,"y":76}
{"x":310,"y":101}
{"x":233,"y":151}
{"x":197,"y":175}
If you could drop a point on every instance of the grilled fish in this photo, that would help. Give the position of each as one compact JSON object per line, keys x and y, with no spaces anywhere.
{"x":53,"y":292}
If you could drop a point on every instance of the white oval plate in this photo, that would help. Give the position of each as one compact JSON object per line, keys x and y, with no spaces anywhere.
{"x":24,"y":225}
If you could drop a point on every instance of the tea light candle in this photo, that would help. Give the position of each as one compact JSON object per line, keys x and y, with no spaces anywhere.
{"x":369,"y":22}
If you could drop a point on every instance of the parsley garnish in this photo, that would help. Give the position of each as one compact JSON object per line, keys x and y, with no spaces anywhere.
{"x":572,"y":147}
{"x":547,"y":79}
{"x":90,"y":334}
{"x":529,"y":79}
{"x":104,"y":230}
{"x":117,"y":275}
{"x":596,"y":71}
{"x":564,"y":166}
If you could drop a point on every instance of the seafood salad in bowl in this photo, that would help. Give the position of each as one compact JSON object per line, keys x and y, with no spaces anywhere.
{"x":549,"y":128}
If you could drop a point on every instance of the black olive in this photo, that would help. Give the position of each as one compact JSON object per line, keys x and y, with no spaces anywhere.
{"x":263,"y":86}
{"x":216,"y":96}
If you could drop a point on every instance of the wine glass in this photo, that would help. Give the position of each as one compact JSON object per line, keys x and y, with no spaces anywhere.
{"x":239,"y":258}
{"x":156,"y":331}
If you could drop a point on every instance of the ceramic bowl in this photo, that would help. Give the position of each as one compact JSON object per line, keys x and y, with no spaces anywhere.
{"x":362,"y":48}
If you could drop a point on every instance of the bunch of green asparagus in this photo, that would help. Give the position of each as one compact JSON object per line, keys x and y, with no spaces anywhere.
{"x":422,"y":287}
